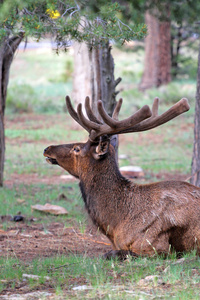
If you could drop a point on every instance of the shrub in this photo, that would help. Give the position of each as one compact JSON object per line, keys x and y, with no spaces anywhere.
{"x":21,"y":98}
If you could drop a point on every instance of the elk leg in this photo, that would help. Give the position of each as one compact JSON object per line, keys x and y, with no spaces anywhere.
{"x":152,"y":245}
{"x":119,"y":254}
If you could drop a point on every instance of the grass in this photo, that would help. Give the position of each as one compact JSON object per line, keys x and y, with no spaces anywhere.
{"x":163,"y":149}
{"x":35,"y":118}
{"x":142,"y":278}
{"x":33,"y":194}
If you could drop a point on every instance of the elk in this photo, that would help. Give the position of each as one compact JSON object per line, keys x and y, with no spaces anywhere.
{"x":138,"y":219}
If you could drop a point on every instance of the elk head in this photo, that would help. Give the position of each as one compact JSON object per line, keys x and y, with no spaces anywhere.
{"x":82,"y":157}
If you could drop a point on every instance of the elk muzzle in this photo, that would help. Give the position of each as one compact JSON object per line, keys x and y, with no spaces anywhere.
{"x":49,"y":159}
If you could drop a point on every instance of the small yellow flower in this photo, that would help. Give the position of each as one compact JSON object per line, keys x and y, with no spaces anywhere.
{"x":54,"y":14}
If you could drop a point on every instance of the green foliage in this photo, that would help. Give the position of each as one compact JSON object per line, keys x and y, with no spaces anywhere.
{"x":83,"y":21}
{"x":187,"y":67}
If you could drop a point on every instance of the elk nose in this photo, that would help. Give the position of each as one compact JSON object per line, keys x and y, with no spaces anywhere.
{"x":45,"y":150}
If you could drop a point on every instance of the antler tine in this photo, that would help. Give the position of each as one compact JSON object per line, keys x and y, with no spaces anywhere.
{"x":86,"y":123}
{"x":117,"y":109}
{"x":106,"y":118}
{"x":137,"y":117}
{"x":89,"y":112}
{"x":155,"y":107}
{"x":142,"y":120}
{"x":155,"y":120}
{"x":71,"y":110}
{"x":74,"y":114}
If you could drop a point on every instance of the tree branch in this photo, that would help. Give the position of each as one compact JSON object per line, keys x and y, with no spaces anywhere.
{"x":117,"y":81}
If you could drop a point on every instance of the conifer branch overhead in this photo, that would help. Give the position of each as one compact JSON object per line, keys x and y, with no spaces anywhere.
{"x":61,"y":19}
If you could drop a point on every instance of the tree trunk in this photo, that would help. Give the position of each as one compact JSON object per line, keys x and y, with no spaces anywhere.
{"x":2,"y":148}
{"x":7,"y":50}
{"x":195,"y":179}
{"x":157,"y":65}
{"x":81,"y":76}
{"x":98,"y":70}
{"x":102,"y":78}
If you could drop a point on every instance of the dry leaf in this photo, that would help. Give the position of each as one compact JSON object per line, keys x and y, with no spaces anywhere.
{"x":51,"y":209}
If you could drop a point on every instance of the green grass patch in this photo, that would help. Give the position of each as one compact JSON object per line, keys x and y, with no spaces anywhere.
{"x":167,"y":148}
{"x":142,"y":278}
{"x":11,"y":202}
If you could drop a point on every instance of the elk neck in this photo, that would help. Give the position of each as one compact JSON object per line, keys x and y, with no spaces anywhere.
{"x":104,"y":191}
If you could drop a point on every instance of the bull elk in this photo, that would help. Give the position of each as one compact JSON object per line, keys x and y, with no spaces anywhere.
{"x":137,"y":219}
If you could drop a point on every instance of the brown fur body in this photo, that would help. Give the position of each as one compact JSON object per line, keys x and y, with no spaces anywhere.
{"x":144,"y":219}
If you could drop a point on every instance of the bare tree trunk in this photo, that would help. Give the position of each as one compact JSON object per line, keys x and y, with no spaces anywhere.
{"x":98,"y":71}
{"x":2,"y":148}
{"x":82,"y":73}
{"x":7,"y":50}
{"x":157,"y":66}
{"x":2,"y":134}
{"x":102,"y":77}
{"x":195,"y":179}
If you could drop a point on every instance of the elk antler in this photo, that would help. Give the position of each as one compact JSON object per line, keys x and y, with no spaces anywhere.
{"x":141,"y":120}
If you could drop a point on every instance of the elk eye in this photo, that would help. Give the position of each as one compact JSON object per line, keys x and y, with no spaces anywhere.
{"x":76,"y":149}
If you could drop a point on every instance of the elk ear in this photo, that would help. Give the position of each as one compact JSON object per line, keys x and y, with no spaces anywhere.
{"x":114,"y":141}
{"x":102,"y":148}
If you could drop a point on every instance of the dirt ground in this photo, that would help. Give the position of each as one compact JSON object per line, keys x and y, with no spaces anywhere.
{"x":27,"y":242}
